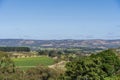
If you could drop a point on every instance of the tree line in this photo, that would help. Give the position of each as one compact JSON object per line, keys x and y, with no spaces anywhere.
{"x":13,"y":49}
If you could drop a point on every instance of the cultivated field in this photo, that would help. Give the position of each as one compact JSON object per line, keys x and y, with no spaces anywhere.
{"x":26,"y":63}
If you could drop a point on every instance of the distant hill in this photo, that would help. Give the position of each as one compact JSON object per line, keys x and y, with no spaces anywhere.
{"x":68,"y":43}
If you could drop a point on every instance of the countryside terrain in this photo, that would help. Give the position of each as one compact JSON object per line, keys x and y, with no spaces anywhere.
{"x":63,"y":63}
{"x":67,"y":43}
{"x":26,"y":63}
{"x":104,"y":65}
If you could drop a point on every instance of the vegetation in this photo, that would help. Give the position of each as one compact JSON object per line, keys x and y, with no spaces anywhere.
{"x":104,"y":65}
{"x":6,"y":64}
{"x":26,"y":63}
{"x":41,"y":73}
{"x":8,"y":71}
{"x":113,"y":78}
{"x":94,"y":67}
{"x":50,"y":53}
{"x":17,"y":49}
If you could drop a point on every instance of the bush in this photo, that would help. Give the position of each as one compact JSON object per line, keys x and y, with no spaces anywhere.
{"x":41,"y":73}
{"x":94,"y":67}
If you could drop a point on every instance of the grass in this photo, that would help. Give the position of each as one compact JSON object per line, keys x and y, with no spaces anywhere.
{"x":32,"y":62}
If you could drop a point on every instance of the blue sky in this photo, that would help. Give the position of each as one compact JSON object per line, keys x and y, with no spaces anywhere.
{"x":60,"y":19}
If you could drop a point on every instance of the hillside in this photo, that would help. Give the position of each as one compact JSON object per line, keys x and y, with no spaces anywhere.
{"x":61,"y":43}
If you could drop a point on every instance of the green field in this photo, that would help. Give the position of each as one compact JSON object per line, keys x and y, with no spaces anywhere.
{"x":32,"y":62}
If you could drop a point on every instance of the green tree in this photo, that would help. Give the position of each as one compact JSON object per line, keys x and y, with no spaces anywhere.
{"x":85,"y":68}
{"x":110,"y":61}
{"x":94,"y":67}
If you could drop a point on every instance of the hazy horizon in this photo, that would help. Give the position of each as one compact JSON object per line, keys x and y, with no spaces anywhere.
{"x":59,"y":19}
{"x":51,"y":39}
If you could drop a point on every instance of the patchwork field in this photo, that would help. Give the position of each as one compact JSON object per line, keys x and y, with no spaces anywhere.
{"x":25,"y":63}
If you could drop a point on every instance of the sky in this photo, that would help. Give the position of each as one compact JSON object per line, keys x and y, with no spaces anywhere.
{"x":59,"y":19}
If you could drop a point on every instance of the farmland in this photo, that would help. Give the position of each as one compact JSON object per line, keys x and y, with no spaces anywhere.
{"x":47,"y":65}
{"x":25,"y":63}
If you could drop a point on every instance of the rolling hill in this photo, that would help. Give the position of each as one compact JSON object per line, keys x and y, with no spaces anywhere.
{"x":68,"y":43}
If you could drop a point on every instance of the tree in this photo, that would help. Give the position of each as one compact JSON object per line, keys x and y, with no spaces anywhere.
{"x":85,"y":68}
{"x":18,"y":49}
{"x":94,"y":67}
{"x":110,"y":61}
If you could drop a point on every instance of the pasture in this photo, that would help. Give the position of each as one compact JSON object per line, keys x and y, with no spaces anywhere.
{"x":29,"y":62}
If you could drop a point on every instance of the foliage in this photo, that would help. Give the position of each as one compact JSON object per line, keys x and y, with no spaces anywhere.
{"x":110,"y":61}
{"x":113,"y":78}
{"x":101,"y":66}
{"x":94,"y":67}
{"x":41,"y":73}
{"x":50,"y":53}
{"x":86,"y":68}
{"x":36,"y":73}
{"x":18,"y":49}
{"x":6,"y":64}
{"x":9,"y":72}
